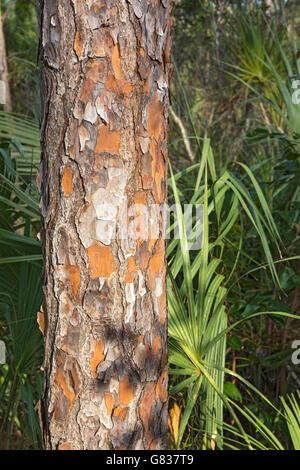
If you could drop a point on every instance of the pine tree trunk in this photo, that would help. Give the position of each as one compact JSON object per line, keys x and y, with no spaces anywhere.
{"x":104,"y":88}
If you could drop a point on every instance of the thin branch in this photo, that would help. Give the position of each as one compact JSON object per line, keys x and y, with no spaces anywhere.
{"x":183,"y":133}
{"x":10,"y":6}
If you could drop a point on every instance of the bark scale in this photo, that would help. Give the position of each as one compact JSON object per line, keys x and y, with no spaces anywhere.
{"x":104,"y":90}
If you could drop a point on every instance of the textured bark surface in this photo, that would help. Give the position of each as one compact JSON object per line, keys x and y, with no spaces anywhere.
{"x":104,"y":67}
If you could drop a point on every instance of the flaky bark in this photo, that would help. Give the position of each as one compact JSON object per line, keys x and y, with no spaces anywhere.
{"x":104,"y":75}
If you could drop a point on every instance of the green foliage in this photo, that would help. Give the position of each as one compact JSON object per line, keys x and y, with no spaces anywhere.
{"x":21,"y":37}
{"x":267,"y":176}
{"x":254,"y":43}
{"x":198,"y":293}
{"x":23,"y":142}
{"x":281,"y":98}
{"x":291,"y":407}
{"x":20,"y":300}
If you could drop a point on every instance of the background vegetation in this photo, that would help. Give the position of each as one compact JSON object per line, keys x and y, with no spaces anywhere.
{"x":234,"y":147}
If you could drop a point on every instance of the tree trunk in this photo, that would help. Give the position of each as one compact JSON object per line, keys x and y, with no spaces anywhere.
{"x":4,"y":83}
{"x":104,"y":88}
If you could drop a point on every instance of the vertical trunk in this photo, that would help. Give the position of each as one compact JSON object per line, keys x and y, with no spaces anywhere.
{"x":104,"y":75}
{"x":4,"y":84}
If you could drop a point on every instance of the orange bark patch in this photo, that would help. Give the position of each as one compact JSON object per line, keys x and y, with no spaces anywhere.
{"x":109,"y":402}
{"x":78,"y":45}
{"x":41,"y":321}
{"x":131,"y":269}
{"x":156,"y":346}
{"x":140,"y":197}
{"x":101,"y":260}
{"x":116,"y":82}
{"x":118,"y":86}
{"x":60,"y":380}
{"x":66,"y":181}
{"x":157,"y":170}
{"x":116,"y":63}
{"x":125,"y":392}
{"x":156,"y":264}
{"x":155,"y":119}
{"x":111,"y":83}
{"x":161,"y":387}
{"x":107,"y":141}
{"x":120,"y":413}
{"x":153,"y":147}
{"x":126,"y":88}
{"x":131,"y":264}
{"x":97,"y":358}
{"x":74,"y":277}
{"x":65,"y":446}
